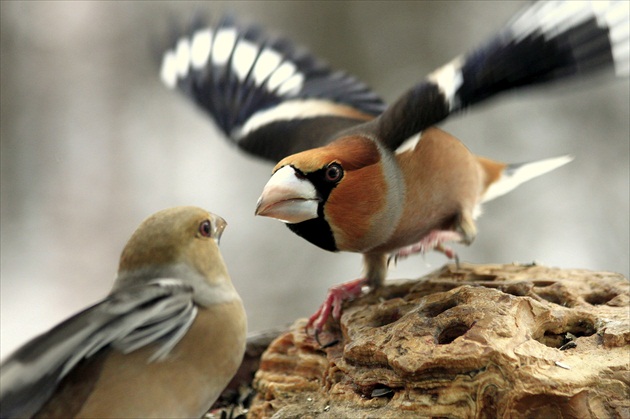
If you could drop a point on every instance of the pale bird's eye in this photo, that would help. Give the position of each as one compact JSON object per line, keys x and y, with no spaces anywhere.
{"x":205,"y":228}
{"x":334,"y":172}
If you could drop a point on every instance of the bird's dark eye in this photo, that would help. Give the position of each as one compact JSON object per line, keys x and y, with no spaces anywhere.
{"x":334,"y":172}
{"x":205,"y":228}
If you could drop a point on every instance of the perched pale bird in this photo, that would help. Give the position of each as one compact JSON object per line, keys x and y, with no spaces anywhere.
{"x":164,"y":343}
{"x":349,"y":177}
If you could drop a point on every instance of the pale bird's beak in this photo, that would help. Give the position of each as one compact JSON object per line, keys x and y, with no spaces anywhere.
{"x":219,"y":226}
{"x":288,"y":198}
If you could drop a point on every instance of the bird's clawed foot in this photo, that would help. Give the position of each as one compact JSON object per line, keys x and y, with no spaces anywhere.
{"x":333,"y":304}
{"x":435,"y":240}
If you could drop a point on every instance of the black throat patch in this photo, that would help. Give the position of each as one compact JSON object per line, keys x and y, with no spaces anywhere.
{"x":317,"y":230}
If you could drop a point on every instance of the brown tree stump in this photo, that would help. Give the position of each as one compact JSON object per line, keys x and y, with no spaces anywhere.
{"x":478,"y":341}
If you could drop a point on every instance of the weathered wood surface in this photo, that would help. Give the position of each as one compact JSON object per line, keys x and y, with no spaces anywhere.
{"x":478,"y":341}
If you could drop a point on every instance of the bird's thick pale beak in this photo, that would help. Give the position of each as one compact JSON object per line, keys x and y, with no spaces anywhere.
{"x":288,"y":198}
{"x":219,"y":226}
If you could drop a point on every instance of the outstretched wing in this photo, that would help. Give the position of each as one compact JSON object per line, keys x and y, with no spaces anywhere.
{"x":160,"y":312}
{"x":268,"y":96}
{"x":546,"y":42}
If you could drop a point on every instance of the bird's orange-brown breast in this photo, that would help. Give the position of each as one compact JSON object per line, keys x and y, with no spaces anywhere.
{"x":351,"y":207}
{"x":442,"y":180}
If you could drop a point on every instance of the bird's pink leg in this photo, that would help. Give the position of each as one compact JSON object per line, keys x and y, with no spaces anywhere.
{"x":349,"y":290}
{"x":333,"y":303}
{"x":433,"y":241}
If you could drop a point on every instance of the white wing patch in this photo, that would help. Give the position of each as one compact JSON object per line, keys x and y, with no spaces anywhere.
{"x":292,"y":86}
{"x":267,"y":62}
{"x":409,"y":144}
{"x":244,"y":58}
{"x":280,"y":75}
{"x":449,"y":78}
{"x":555,"y":17}
{"x":200,"y":49}
{"x":168,"y":72}
{"x":617,"y":18}
{"x":182,"y":57}
{"x":291,"y":109}
{"x":223,"y":46}
{"x":267,"y":67}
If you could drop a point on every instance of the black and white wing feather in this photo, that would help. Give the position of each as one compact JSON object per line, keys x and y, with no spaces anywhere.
{"x":273,"y":99}
{"x":268,"y":96}
{"x":160,"y":312}
{"x":548,"y":41}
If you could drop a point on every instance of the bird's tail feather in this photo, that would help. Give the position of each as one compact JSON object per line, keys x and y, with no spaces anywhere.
{"x":515,"y":174}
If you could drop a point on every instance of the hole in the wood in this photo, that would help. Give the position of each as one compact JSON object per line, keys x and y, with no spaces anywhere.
{"x":518,"y":289}
{"x":395,"y":293}
{"x":480,"y":277}
{"x":542,"y":283}
{"x":599,"y":298}
{"x":382,"y":390}
{"x":554,"y":294}
{"x":385,"y":317}
{"x":551,"y":297}
{"x":560,"y":338}
{"x":452,"y":332}
{"x":435,"y":309}
{"x":489,"y":399}
{"x":375,"y":390}
{"x":549,"y":405}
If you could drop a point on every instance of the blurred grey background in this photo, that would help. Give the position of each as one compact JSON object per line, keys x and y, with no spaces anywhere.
{"x":92,"y":143}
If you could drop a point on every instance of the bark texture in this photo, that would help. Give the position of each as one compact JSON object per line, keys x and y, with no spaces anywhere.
{"x":478,"y":341}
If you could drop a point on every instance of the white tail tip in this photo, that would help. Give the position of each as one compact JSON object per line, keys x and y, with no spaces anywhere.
{"x":515,"y":174}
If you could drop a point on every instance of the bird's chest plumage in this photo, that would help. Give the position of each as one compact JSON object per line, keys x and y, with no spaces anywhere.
{"x":196,"y":371}
{"x":441,"y":180}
